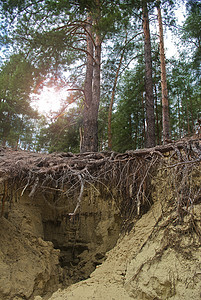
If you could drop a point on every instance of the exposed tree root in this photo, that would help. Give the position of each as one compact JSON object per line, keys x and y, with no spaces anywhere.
{"x":127,"y":176}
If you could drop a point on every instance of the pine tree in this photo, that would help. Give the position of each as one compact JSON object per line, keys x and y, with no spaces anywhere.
{"x":191,"y":33}
{"x":53,"y":48}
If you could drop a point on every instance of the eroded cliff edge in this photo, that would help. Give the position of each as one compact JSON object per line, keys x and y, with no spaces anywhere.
{"x":56,"y":232}
{"x":160,"y":258}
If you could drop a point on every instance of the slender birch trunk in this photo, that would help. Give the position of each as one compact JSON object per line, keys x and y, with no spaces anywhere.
{"x":150,"y":119}
{"x":157,"y":118}
{"x":165,"y":104}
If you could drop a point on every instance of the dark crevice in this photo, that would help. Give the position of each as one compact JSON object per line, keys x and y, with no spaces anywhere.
{"x":83,"y":243}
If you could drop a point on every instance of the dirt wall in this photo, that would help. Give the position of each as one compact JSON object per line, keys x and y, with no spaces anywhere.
{"x":46,"y":244}
{"x":28,"y":264}
{"x":42,"y":248}
{"x":160,"y":258}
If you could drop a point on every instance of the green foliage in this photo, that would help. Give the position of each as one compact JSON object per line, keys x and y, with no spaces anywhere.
{"x":192,"y":32}
{"x":42,"y":30}
{"x":128,"y":119}
{"x":185,"y":100}
{"x":16,"y":81}
{"x":61,"y":135}
{"x":52,"y":34}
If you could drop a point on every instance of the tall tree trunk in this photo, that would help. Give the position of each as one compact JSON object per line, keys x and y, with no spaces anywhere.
{"x":150,"y":136}
{"x":86,"y":134}
{"x":96,"y":94}
{"x":187,"y":112}
{"x":191,"y":111}
{"x":112,"y":99}
{"x":92,"y":84}
{"x":96,"y":82}
{"x":157,"y":117}
{"x":144,"y":125}
{"x":179,"y":117}
{"x":165,"y":104}
{"x":136,"y":144}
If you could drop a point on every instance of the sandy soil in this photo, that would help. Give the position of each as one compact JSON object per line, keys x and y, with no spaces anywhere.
{"x":151,"y":262}
{"x":157,"y":259}
{"x":28,"y":264}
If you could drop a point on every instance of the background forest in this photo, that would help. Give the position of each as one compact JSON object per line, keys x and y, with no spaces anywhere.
{"x":121,"y":92}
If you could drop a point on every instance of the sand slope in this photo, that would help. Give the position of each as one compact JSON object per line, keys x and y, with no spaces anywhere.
{"x":156,"y":260}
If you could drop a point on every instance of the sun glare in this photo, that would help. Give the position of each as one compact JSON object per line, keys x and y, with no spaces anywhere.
{"x":49,"y":100}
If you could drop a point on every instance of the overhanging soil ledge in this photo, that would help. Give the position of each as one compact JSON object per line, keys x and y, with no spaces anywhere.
{"x":62,"y":213}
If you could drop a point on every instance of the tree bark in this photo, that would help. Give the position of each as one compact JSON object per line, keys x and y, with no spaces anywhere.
{"x":112,"y":99}
{"x":86,"y":133}
{"x":157,"y":117}
{"x":96,"y":93}
{"x":191,"y":111}
{"x":144,"y":125}
{"x":150,"y":119}
{"x":165,"y":104}
{"x":92,"y":84}
{"x":179,"y":116}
